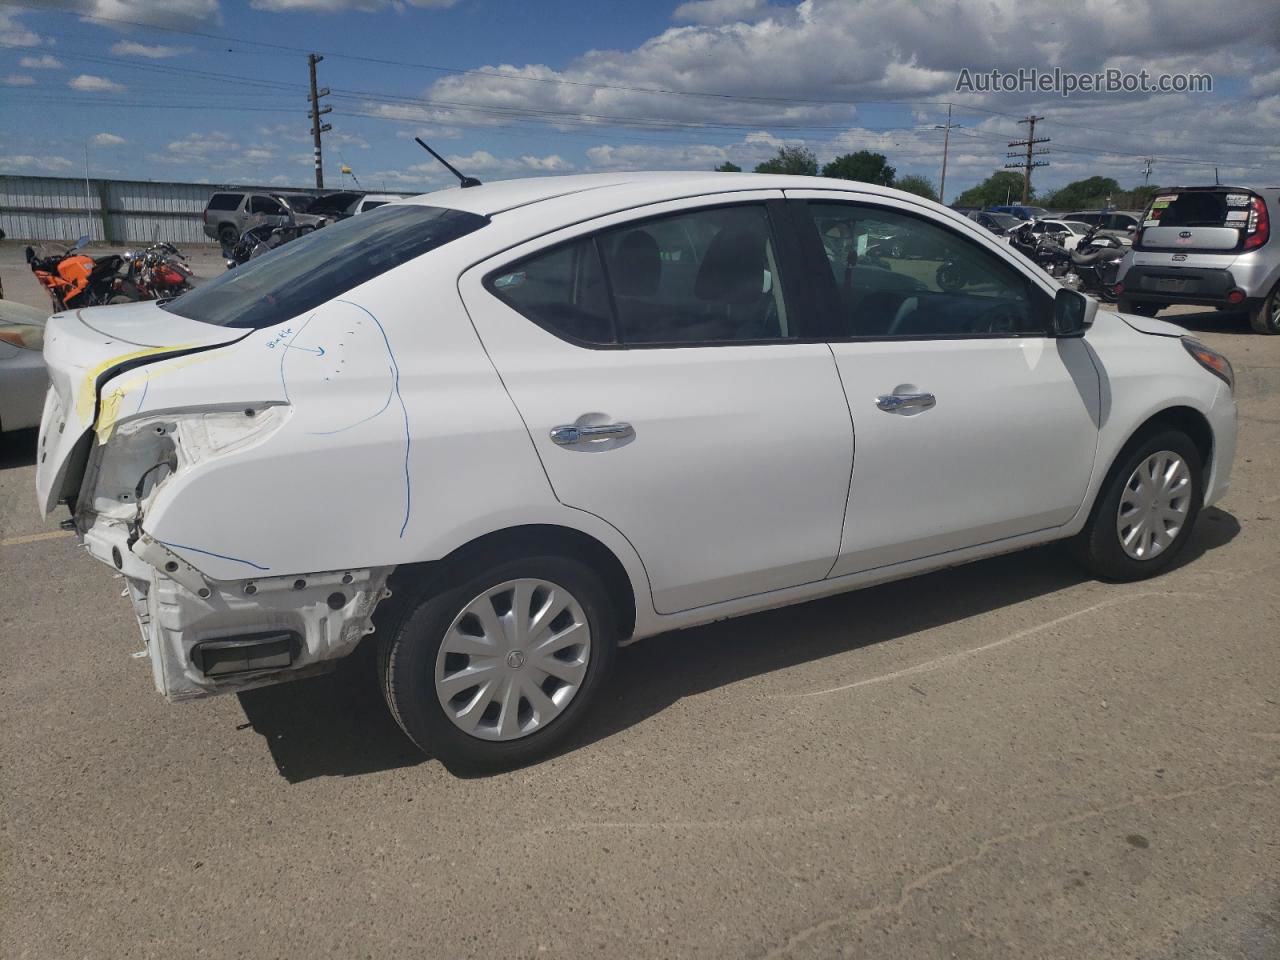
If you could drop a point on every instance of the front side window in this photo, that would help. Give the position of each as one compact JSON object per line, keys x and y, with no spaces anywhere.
{"x":301,"y":275}
{"x":265,"y":205}
{"x":898,"y":275}
{"x":706,"y":276}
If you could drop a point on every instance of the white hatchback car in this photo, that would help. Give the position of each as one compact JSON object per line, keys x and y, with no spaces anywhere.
{"x":512,"y":426}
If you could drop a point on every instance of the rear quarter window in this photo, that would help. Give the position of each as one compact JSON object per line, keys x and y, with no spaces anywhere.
{"x":225,"y":201}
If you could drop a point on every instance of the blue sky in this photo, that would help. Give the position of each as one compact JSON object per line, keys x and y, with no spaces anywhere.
{"x":215,"y":90}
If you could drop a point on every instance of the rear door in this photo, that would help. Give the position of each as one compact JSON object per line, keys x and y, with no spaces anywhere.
{"x":655,"y":359}
{"x":971,"y":424}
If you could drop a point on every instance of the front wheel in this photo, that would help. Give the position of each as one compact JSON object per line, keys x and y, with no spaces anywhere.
{"x":1266,"y":317}
{"x":492,"y":672}
{"x":1145,"y":510}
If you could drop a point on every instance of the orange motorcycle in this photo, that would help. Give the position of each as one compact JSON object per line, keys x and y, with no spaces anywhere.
{"x":74,"y":279}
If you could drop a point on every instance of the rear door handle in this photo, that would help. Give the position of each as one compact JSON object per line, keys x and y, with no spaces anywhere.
{"x":571,"y":434}
{"x":893,"y":402}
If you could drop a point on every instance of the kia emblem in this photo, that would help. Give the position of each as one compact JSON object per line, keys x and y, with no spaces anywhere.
{"x":1185,"y":234}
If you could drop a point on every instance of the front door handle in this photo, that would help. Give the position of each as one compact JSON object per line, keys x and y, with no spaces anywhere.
{"x":571,"y":434}
{"x":894,"y":402}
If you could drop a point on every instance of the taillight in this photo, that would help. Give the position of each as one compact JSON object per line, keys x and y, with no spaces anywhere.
{"x":1259,"y":227}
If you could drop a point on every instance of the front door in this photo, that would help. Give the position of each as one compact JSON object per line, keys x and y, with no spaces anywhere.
{"x":971,"y":424}
{"x":655,"y":362}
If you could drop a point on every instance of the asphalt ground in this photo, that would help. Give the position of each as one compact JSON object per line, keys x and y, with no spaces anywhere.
{"x":1002,"y":760}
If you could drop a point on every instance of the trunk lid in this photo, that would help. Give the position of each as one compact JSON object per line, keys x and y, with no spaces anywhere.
{"x":82,"y":350}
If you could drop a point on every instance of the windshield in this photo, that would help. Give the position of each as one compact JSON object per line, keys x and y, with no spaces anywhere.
{"x":1075,"y":226}
{"x":1004,"y":221}
{"x":300,"y":275}
{"x":298,"y":204}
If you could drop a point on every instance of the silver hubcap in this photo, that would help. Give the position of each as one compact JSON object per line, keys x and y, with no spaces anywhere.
{"x":1154,"y":505}
{"x":513,"y":659}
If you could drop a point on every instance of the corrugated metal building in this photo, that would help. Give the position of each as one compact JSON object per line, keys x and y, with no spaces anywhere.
{"x":115,"y":211}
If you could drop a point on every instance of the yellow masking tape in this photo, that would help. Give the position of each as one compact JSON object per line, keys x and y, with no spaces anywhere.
{"x":88,"y":389}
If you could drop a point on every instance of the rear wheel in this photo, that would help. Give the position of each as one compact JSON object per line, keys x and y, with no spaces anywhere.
{"x":1145,"y":510}
{"x":1265,"y":318}
{"x":493,"y":670}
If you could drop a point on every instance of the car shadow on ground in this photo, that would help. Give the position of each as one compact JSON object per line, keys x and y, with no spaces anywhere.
{"x":18,"y":448}
{"x":338,"y":725}
{"x":1211,"y":321}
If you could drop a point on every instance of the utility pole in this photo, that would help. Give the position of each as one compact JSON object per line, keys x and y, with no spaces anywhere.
{"x":1027,"y":163}
{"x":946,"y":142}
{"x":316,"y":113}
{"x":1146,"y":175}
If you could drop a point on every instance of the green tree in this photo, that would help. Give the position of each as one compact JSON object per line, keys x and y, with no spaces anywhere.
{"x":1083,"y":194}
{"x":920,"y":186}
{"x":1003,"y":186}
{"x":728,"y":167}
{"x":864,"y":165}
{"x":793,"y":160}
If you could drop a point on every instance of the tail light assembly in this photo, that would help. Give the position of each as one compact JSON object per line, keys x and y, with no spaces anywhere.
{"x":1258,"y":228}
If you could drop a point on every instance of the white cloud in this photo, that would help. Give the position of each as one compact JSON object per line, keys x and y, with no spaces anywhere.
{"x":107,"y":140}
{"x":14,"y":34}
{"x":717,"y":12}
{"x":122,"y":14}
{"x":88,"y":83}
{"x":19,"y":80}
{"x":206,"y":149}
{"x":36,"y":164}
{"x":129,"y":48}
{"x":342,"y":6}
{"x":44,"y":62}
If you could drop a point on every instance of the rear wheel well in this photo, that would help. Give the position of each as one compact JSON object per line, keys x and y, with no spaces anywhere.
{"x":409,"y":580}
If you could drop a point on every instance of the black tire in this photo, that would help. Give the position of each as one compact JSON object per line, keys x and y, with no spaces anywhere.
{"x":408,"y":653}
{"x":1141,"y":309}
{"x":1098,"y":548}
{"x":228,"y":235}
{"x":1265,"y":318}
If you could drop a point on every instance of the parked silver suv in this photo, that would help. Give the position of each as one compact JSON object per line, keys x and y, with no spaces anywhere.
{"x":1210,"y":246}
{"x":230,"y":213}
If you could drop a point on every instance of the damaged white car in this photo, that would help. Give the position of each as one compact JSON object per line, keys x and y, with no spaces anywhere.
{"x":504,"y":429}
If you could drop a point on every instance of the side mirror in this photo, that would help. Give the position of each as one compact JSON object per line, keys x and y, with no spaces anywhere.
{"x":1131,"y":228}
{"x":1073,"y":313}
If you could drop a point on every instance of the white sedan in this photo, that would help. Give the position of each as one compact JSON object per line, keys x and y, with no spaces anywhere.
{"x":23,"y":380}
{"x":513,"y":426}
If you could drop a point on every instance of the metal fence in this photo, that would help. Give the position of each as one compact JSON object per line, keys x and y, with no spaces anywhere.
{"x":114,"y":211}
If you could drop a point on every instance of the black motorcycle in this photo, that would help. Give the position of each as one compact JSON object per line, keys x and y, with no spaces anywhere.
{"x":254,"y":243}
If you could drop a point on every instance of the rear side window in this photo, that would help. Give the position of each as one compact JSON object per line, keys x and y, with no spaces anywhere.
{"x":707,"y":276}
{"x":225,"y":201}
{"x":301,"y":275}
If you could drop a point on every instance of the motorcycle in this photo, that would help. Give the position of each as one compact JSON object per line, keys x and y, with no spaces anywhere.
{"x":160,"y":271}
{"x":74,"y":279}
{"x":1092,"y":266}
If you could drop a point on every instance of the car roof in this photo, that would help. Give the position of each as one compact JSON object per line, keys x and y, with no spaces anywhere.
{"x":618,"y":191}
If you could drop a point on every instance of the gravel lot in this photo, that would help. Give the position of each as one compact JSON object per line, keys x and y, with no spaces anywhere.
{"x":1003,"y":760}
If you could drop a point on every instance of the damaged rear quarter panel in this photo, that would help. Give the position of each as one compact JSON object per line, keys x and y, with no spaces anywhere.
{"x":400,"y":444}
